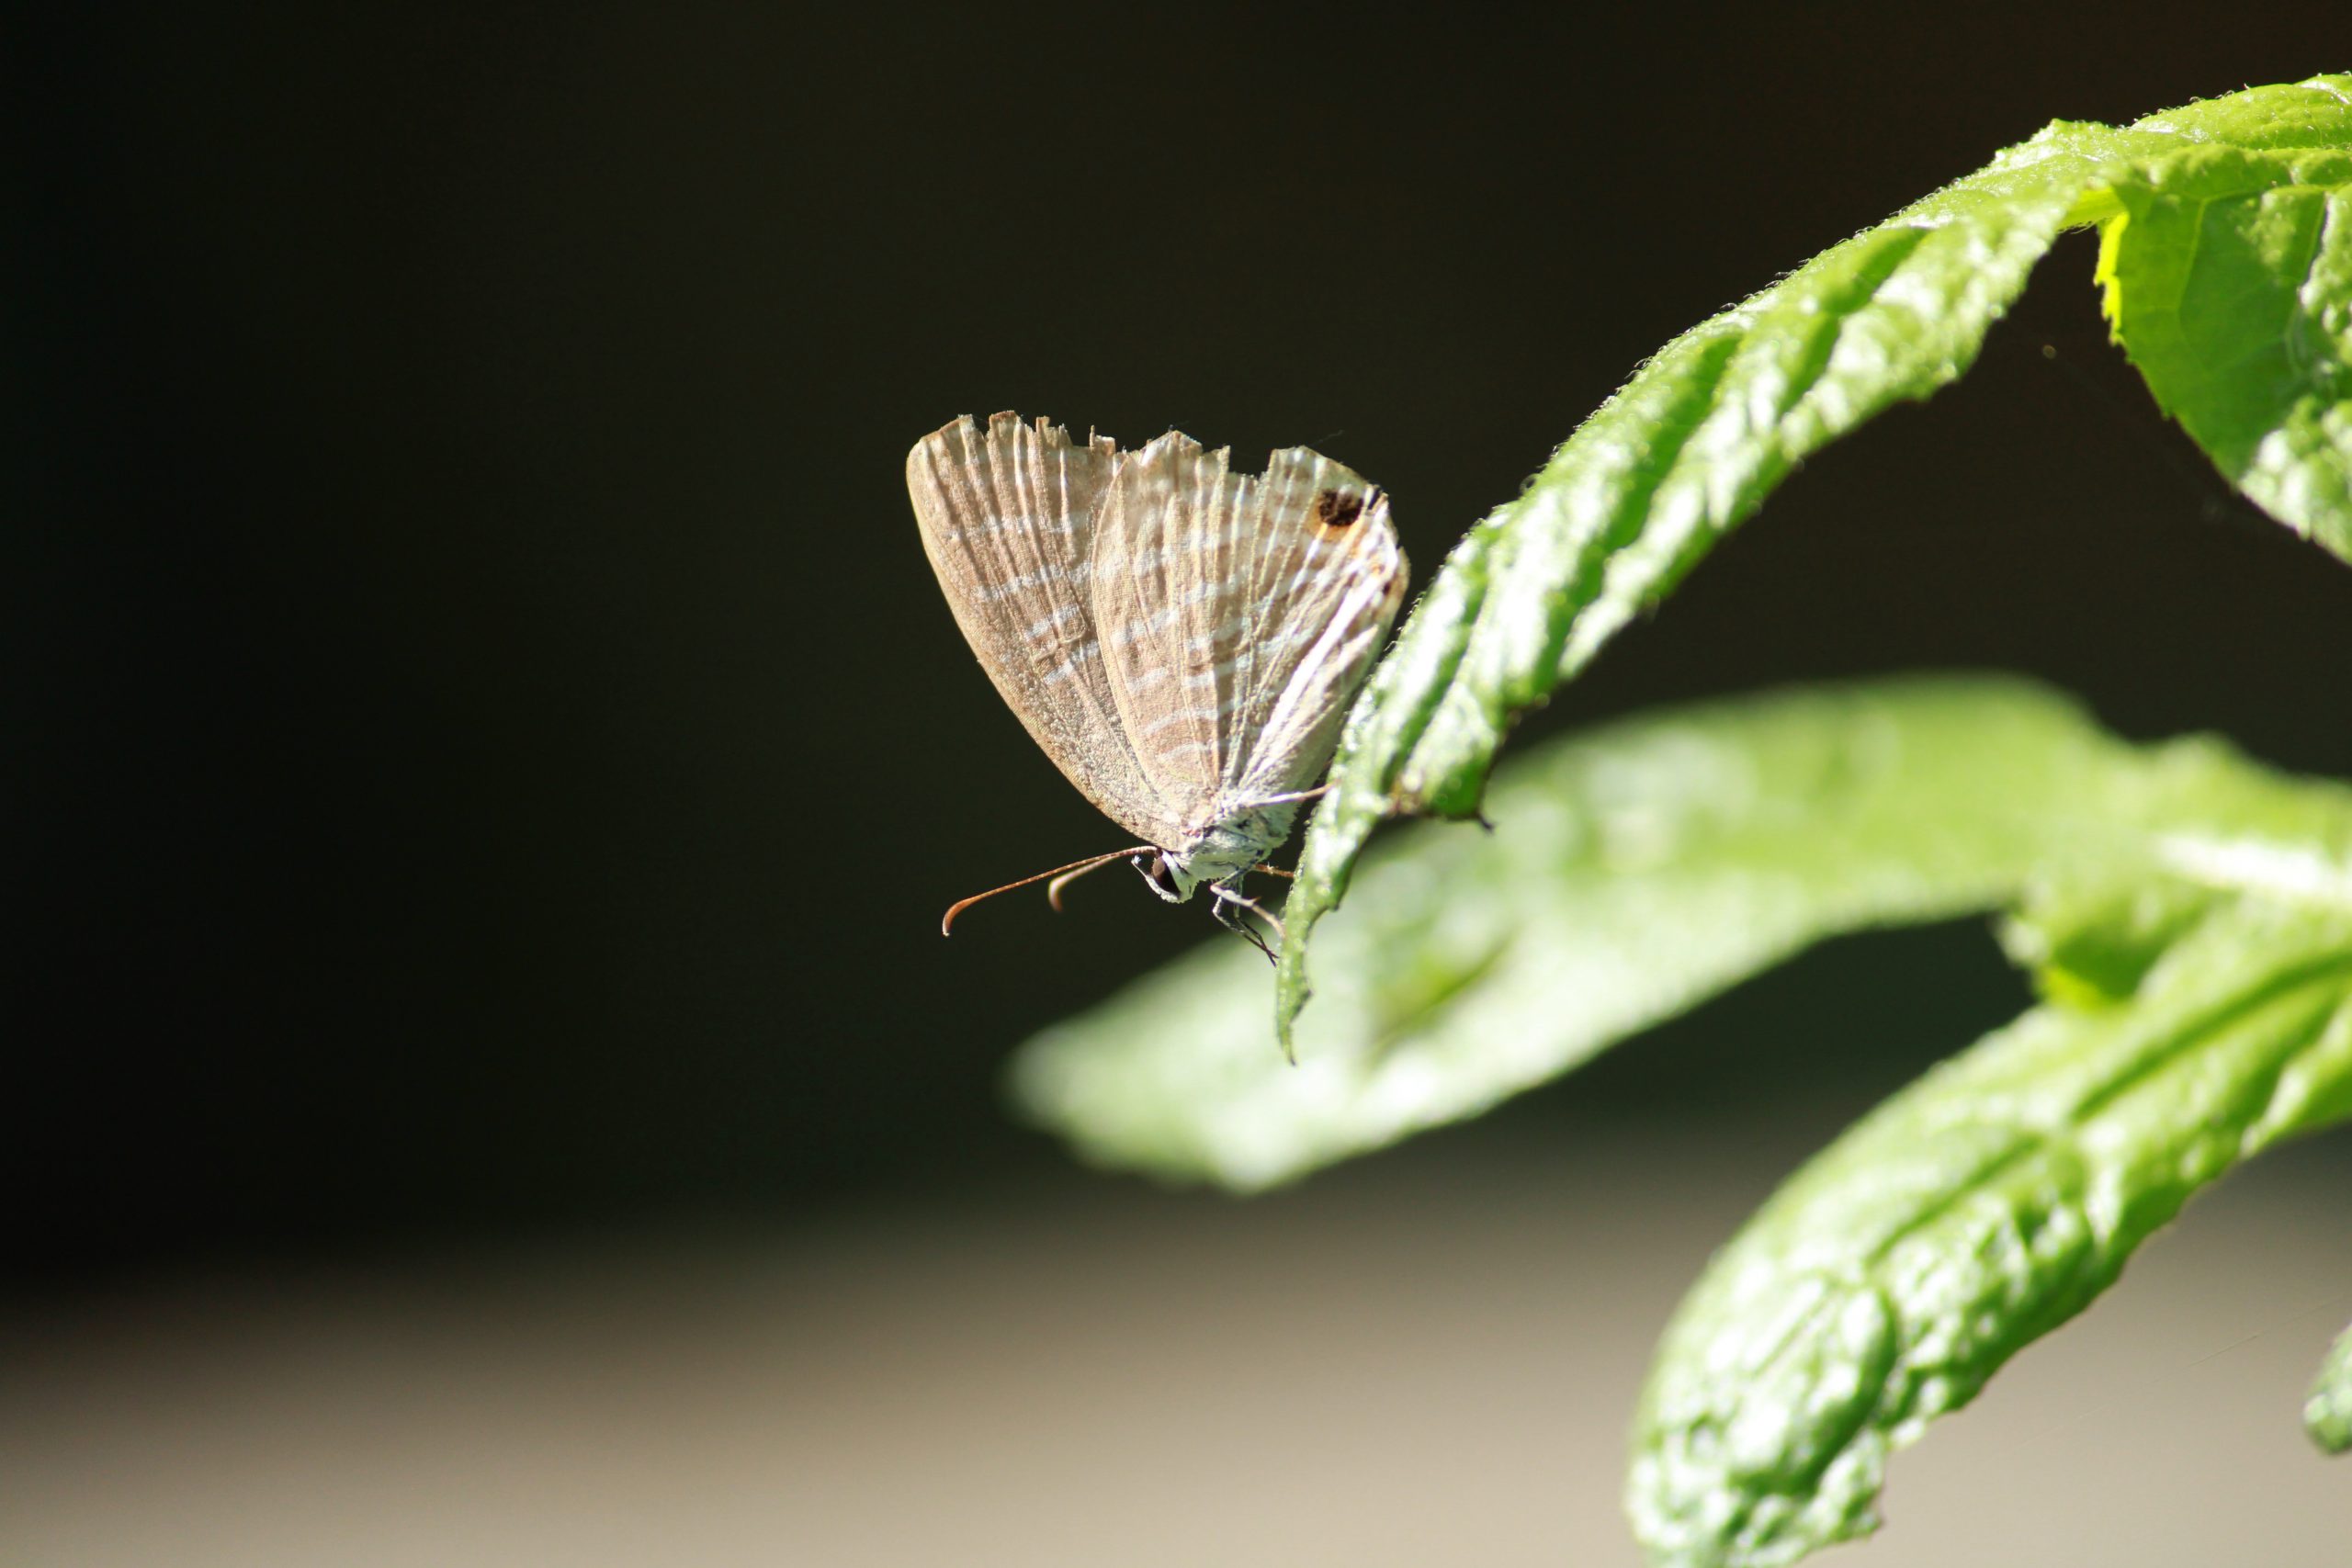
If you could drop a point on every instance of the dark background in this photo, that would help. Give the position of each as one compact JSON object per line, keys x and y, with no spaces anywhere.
{"x":484,"y":751}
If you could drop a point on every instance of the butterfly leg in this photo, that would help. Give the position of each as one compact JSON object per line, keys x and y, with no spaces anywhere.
{"x":1317,"y":793}
{"x":1239,"y":927}
{"x":1227,"y":904}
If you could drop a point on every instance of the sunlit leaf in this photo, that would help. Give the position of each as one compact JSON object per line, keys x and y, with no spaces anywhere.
{"x":1707,"y":428}
{"x":2229,"y":282}
{"x":2186,"y":915}
{"x":1969,"y":1215}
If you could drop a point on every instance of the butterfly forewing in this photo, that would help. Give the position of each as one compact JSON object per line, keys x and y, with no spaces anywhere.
{"x":1007,"y":517}
{"x":1238,"y":614}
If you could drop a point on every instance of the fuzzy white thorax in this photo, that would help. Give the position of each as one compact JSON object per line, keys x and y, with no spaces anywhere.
{"x":1226,"y":853}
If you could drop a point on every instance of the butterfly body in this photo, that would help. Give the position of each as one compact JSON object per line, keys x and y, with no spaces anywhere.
{"x":1182,"y":640}
{"x":1224,"y":852}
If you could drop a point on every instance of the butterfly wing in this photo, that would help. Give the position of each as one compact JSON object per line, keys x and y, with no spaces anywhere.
{"x":1326,"y":579}
{"x":1165,"y":586}
{"x":1238,"y":616}
{"x":1007,"y":517}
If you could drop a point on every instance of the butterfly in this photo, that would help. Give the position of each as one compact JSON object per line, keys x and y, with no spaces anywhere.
{"x":1180,"y":639}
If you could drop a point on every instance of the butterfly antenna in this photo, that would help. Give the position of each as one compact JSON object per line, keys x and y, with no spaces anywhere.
{"x":1054,"y":888}
{"x":1058,"y":877}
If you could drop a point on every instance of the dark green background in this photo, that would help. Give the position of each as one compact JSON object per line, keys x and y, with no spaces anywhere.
{"x":484,"y":749}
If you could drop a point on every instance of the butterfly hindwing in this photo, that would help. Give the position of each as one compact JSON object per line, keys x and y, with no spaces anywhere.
{"x":1327,"y":580}
{"x":1238,"y":614}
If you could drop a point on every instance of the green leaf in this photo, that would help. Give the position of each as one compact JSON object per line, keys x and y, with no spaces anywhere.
{"x":1637,"y":870}
{"x":1706,"y":430}
{"x":1972,"y":1213}
{"x":2229,"y":282}
{"x":2187,"y":913}
{"x":2327,"y":1416}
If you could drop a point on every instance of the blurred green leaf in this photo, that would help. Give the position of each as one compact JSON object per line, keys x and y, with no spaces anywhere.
{"x":1692,"y":445}
{"x":1968,"y":1215}
{"x":2188,"y":915}
{"x":1632,"y":872}
{"x":1637,"y":870}
{"x":2328,"y":1414}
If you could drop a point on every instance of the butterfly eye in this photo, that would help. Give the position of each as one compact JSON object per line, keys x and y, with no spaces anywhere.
{"x":1335,"y":510}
